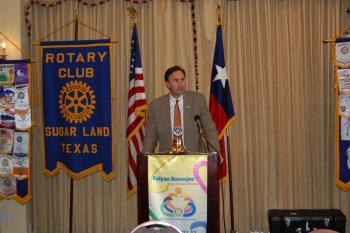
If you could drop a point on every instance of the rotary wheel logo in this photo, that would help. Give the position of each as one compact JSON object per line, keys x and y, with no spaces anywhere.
{"x":77,"y":101}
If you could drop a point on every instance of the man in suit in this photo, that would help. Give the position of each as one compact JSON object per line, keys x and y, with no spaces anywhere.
{"x":160,"y":117}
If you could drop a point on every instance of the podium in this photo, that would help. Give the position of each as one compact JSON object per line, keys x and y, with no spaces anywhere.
{"x":180,"y":189}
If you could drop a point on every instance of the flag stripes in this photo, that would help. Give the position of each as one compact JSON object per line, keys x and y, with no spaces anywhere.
{"x":137,"y":105}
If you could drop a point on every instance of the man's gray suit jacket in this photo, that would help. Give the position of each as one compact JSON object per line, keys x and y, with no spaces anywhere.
{"x":158,"y":128}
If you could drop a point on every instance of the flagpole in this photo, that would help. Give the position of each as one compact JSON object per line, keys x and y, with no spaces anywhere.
{"x":228,"y":149}
{"x":76,"y":21}
{"x":230,"y":182}
{"x":71,"y":193}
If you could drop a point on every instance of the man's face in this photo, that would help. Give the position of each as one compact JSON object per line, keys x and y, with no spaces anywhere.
{"x":176,"y":83}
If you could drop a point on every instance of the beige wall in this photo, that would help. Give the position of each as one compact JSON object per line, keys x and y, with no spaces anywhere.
{"x":13,"y":216}
{"x":11,"y":25}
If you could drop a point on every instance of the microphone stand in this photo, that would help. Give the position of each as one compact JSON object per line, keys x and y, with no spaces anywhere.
{"x":201,"y":132}
{"x":203,"y":138}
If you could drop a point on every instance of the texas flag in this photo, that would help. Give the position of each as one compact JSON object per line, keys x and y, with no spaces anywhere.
{"x":220,"y":101}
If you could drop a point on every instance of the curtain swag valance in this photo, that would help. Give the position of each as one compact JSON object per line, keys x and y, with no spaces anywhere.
{"x":52,"y":3}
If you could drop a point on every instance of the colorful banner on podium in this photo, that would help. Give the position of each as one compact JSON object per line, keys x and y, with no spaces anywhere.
{"x":178,"y":191}
{"x":15,"y":125}
{"x":78,"y":126}
{"x":342,"y":65}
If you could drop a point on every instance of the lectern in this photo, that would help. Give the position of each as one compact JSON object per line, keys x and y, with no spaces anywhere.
{"x":180,"y":189}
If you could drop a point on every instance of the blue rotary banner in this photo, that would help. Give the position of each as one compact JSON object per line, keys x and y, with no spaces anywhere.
{"x":77,"y":91}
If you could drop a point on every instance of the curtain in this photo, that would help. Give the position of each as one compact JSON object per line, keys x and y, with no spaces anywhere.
{"x":281,"y":78}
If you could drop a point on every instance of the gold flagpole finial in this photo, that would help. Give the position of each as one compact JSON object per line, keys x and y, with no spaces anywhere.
{"x":218,"y":13}
{"x":132,"y":12}
{"x":76,"y":21}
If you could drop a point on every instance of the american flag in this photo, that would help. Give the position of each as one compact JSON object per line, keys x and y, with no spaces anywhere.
{"x":137,"y":106}
{"x":220,"y":101}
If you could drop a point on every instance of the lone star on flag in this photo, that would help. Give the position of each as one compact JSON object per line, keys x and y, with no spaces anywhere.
{"x":221,"y":75}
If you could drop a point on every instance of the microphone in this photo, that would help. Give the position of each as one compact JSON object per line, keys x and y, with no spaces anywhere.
{"x":197,"y":119}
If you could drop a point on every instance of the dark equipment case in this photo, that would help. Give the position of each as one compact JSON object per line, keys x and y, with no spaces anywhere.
{"x":304,"y":221}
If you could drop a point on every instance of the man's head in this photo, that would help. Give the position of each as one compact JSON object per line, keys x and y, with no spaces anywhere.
{"x":175,"y":80}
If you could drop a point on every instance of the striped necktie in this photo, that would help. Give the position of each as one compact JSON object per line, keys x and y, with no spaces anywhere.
{"x":177,"y":120}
